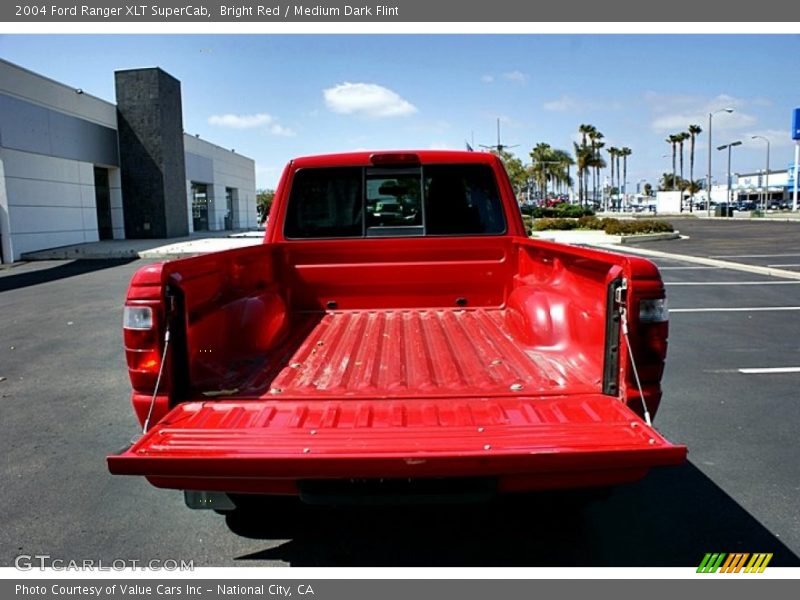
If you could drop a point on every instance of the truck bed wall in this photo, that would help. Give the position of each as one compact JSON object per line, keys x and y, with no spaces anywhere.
{"x":244,"y":304}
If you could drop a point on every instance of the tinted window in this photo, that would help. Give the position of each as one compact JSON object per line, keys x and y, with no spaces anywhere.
{"x":325,"y":203}
{"x":396,"y":201}
{"x":462,"y":199}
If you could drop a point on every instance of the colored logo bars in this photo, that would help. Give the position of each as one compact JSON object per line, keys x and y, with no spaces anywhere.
{"x":734,"y":563}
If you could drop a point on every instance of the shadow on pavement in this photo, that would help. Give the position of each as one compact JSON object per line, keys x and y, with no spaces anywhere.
{"x":62,"y":271}
{"x":670,"y":519}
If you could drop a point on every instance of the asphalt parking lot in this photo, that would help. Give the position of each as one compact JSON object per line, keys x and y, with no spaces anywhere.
{"x":730,"y":395}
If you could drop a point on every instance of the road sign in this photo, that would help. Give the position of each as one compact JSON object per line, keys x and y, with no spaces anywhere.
{"x":796,"y":124}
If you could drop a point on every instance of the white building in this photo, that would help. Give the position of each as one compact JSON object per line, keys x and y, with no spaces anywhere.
{"x":69,"y":175}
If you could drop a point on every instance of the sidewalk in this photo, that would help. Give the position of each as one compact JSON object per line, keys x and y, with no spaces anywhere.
{"x":198,"y":243}
{"x":214,"y":241}
{"x":587,"y":237}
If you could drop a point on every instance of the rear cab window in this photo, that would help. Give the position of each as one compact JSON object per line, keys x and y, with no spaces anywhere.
{"x":427,"y":200}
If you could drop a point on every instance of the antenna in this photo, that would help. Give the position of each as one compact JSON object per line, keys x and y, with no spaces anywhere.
{"x":499,"y":147}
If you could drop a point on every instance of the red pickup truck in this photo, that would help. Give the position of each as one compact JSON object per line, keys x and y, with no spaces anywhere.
{"x":397,"y":331}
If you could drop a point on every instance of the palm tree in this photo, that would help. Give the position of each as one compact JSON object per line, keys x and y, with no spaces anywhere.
{"x":682,"y":137}
{"x":595,"y":137}
{"x":586,"y":131}
{"x":541,"y":156}
{"x":694,"y":131}
{"x":597,"y":163}
{"x":692,"y":187}
{"x":612,"y":152}
{"x":673,"y":139}
{"x":561,"y":166}
{"x":624,"y":153}
{"x":583,"y":157}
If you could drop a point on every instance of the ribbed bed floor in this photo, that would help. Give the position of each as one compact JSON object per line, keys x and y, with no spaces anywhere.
{"x":415,"y":353}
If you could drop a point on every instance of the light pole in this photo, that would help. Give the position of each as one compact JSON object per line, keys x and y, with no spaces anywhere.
{"x":729,"y":146}
{"x":766,"y":177}
{"x":708,"y":179}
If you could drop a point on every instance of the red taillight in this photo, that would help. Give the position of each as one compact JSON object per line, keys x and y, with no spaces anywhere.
{"x":394,"y":158}
{"x":650,"y":350}
{"x":142,"y":345}
{"x":648,"y":338}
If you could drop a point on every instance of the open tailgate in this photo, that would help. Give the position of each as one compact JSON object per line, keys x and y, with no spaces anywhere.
{"x":233,"y":444}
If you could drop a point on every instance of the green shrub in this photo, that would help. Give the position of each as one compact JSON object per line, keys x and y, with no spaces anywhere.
{"x":554,"y":224}
{"x":590,"y":222}
{"x":616,"y":227}
{"x":572,"y":210}
{"x":609,"y":225}
{"x":563,"y":210}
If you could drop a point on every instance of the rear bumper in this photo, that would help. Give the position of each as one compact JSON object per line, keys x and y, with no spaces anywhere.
{"x":268,"y":446}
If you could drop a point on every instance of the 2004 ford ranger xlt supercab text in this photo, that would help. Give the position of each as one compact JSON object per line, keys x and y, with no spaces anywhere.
{"x":397,"y":330}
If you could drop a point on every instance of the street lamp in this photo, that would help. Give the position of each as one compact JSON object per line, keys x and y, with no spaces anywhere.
{"x":708,"y":179}
{"x":766,"y":177}
{"x":729,"y":146}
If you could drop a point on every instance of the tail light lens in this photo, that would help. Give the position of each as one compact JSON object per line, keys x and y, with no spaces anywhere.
{"x":653,"y":310}
{"x":649,"y":343}
{"x":137,"y":317}
{"x":142,"y":345}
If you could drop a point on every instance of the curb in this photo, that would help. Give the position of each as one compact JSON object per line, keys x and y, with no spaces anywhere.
{"x":711,"y":262}
{"x":589,"y":237}
{"x":648,"y":237}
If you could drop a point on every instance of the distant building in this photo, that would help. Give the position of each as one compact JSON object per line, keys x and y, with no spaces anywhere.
{"x":752,"y":186}
{"x":75,"y":168}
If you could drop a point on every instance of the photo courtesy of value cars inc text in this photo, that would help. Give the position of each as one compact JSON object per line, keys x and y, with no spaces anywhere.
{"x":163,"y":589}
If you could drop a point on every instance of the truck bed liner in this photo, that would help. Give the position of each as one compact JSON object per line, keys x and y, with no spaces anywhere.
{"x":415,"y":353}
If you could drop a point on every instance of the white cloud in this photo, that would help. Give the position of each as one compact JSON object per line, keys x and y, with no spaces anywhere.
{"x":240,"y":121}
{"x":676,"y":112}
{"x":268,"y":122}
{"x":516,"y":76}
{"x":368,"y":99}
{"x":563,"y":104}
{"x":778,"y":138}
{"x":487,"y":79}
{"x":571,"y":104}
{"x":281,"y":131}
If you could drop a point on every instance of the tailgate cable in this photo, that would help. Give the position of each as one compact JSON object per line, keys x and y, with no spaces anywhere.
{"x":160,"y":373}
{"x":624,"y":318}
{"x":158,"y":382}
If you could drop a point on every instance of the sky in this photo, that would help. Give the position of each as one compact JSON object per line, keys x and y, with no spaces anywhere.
{"x":273,"y":97}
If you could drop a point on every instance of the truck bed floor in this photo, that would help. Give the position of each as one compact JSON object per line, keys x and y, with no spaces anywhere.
{"x":412,"y":353}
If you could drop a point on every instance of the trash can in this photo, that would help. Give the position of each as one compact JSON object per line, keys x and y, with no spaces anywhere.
{"x":723,"y":210}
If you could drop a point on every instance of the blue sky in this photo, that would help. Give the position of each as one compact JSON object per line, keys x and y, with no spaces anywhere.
{"x":273,"y":97}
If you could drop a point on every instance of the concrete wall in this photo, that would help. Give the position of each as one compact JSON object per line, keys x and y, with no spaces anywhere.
{"x":222,"y":168}
{"x":51,"y":137}
{"x":150,"y":119}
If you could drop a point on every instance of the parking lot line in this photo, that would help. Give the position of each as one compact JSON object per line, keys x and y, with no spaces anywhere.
{"x":712,"y":262}
{"x":753,"y":255}
{"x":784,"y":266}
{"x":770,"y":371}
{"x":739,"y":309}
{"x":692,"y":268}
{"x":732,"y":283}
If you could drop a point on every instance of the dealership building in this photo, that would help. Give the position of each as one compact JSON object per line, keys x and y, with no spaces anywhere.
{"x":75,"y":168}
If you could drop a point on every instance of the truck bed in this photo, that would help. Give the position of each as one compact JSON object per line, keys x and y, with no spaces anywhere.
{"x":396,"y":359}
{"x":421,"y":353}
